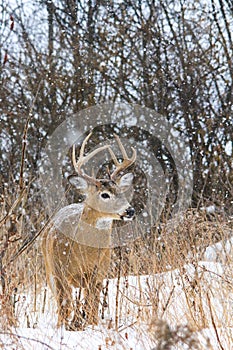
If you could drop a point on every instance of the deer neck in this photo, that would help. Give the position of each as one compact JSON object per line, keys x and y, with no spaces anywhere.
{"x":97,"y":219}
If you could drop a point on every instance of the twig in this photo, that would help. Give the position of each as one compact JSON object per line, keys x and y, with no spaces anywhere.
{"x":27,"y":338}
{"x":105,"y":298}
{"x":30,"y":240}
{"x":14,"y":205}
{"x":44,"y":300}
{"x":213,"y":322}
{"x":24,"y":141}
{"x":12,"y":22}
{"x":168,"y":300}
{"x":128,"y":326}
{"x":215,"y":274}
{"x":118,"y":292}
{"x":137,"y":303}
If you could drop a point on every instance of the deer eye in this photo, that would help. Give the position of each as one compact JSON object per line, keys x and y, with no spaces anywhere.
{"x":105,"y":195}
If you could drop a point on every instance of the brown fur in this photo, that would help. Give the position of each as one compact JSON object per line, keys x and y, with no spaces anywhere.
{"x":69,"y":263}
{"x":76,"y":248}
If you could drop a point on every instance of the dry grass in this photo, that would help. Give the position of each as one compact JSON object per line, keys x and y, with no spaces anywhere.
{"x":173,"y":279}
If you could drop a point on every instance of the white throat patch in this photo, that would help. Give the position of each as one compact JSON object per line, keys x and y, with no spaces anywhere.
{"x":104,"y":224}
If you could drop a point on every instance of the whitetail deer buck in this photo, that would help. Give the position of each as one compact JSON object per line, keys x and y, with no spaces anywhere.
{"x":71,"y":263}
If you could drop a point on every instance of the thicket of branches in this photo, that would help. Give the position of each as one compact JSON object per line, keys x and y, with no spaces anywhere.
{"x":173,"y":57}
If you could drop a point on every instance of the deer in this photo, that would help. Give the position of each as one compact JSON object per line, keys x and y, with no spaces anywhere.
{"x":71,"y":261}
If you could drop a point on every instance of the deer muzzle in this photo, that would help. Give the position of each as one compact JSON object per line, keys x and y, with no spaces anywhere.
{"x":128,"y":214}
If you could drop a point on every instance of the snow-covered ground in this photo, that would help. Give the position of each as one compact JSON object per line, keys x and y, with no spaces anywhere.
{"x":151,"y":309}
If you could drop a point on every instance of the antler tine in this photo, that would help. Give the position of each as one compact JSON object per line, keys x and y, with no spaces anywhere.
{"x":84,"y":159}
{"x":81,"y":153}
{"x":126,"y":160}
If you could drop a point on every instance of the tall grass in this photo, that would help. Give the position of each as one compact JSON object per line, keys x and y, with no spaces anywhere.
{"x":156,"y":285}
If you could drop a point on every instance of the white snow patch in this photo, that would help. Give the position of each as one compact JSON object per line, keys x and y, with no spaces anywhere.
{"x":184,"y":296}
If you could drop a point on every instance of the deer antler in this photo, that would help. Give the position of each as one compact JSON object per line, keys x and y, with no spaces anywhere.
{"x":84,"y":159}
{"x":120,"y":166}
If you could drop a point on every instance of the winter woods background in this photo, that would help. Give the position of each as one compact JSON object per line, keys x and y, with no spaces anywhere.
{"x":172,"y":56}
{"x":58,"y":57}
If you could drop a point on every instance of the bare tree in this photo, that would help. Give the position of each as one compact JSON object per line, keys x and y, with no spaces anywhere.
{"x":74,"y":54}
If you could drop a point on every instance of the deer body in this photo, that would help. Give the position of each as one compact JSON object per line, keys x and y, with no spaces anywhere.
{"x":69,"y":263}
{"x":76,"y":247}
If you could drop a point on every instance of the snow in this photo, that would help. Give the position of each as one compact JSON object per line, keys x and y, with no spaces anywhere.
{"x":88,"y":339}
{"x":215,"y":251}
{"x":198,"y":294}
{"x":228,"y":148}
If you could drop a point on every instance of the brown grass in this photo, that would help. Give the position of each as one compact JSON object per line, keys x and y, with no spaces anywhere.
{"x":149,"y":303}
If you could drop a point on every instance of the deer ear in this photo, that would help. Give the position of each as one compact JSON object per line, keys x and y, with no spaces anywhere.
{"x":77,"y":182}
{"x":126,"y":181}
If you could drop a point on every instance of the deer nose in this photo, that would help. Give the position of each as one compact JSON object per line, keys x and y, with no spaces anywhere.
{"x":130,"y":212}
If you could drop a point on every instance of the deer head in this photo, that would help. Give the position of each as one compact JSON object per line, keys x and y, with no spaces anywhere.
{"x":106,"y":196}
